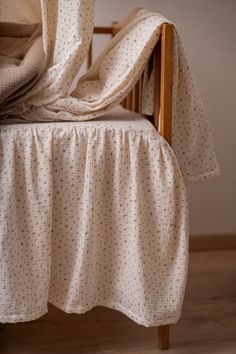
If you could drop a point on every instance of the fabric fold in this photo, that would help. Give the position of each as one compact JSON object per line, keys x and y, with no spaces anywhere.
{"x":22,"y":61}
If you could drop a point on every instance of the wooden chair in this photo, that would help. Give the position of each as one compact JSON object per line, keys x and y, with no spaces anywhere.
{"x":162,"y":118}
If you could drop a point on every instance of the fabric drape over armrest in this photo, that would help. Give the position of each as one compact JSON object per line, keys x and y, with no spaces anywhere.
{"x":67,"y":30}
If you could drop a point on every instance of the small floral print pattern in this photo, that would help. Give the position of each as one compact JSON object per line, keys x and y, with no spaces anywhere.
{"x":92,"y":213}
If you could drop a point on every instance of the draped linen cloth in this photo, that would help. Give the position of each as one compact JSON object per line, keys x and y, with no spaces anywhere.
{"x":67,"y":30}
{"x":94,"y":210}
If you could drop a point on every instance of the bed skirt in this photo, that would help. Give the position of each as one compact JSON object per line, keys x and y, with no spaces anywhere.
{"x":92,"y":213}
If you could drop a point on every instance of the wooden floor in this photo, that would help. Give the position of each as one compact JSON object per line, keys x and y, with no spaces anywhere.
{"x":208,"y":324}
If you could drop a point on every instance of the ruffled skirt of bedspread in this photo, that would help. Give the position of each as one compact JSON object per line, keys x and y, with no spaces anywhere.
{"x":92,"y":213}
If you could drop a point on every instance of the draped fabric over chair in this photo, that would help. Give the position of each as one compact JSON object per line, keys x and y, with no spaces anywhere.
{"x":67,"y":29}
{"x":93,"y":201}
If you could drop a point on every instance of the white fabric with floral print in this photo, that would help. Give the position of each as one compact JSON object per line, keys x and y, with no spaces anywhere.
{"x":94,"y":211}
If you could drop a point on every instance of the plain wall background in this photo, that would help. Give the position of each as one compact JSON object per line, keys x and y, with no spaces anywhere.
{"x":208,"y":31}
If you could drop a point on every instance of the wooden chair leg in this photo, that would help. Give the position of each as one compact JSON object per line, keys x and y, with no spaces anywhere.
{"x":164,"y":336}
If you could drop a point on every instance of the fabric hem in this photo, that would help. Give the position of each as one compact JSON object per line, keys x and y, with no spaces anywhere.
{"x":23,"y":318}
{"x":136,"y":318}
{"x":204,"y":176}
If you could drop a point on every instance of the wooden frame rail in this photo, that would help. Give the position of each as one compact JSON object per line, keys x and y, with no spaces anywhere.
{"x":166,"y":81}
{"x":162,"y":118}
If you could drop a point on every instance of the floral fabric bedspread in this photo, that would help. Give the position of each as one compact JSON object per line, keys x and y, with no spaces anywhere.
{"x":92,"y":213}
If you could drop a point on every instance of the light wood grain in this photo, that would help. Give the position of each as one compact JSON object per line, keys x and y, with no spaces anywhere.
{"x":166,"y":82}
{"x":207,"y":326}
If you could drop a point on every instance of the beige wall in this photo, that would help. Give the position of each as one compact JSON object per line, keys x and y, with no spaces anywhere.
{"x":208,"y":30}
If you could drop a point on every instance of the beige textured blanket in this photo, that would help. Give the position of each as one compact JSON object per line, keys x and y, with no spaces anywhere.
{"x":22,"y":60}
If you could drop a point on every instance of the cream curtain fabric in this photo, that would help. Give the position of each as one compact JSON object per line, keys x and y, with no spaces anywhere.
{"x":67,"y":30}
